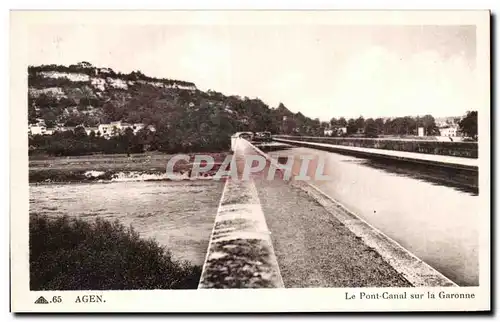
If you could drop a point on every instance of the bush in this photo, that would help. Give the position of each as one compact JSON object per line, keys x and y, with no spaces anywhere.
{"x":72,"y":254}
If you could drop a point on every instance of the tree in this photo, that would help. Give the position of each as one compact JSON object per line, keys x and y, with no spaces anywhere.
{"x":379,"y":123}
{"x":32,"y":114}
{"x":429,"y":124}
{"x":80,"y":132}
{"x":185,"y":120}
{"x":468,"y":125}
{"x":360,"y":123}
{"x":342,"y":122}
{"x":289,"y":125}
{"x":324,"y":126}
{"x":371,"y":128}
{"x":49,"y":118}
{"x":351,"y":126}
{"x":74,"y":119}
{"x":115,"y":131}
{"x":409,"y":125}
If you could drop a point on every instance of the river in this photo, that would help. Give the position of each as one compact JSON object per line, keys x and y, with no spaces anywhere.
{"x":177,"y":214}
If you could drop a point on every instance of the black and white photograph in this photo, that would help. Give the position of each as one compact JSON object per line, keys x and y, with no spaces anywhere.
{"x":199,"y":154}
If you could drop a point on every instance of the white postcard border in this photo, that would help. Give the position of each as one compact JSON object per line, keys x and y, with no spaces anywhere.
{"x":258,"y":300}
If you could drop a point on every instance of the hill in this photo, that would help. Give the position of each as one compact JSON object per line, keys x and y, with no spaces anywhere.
{"x":185,"y":118}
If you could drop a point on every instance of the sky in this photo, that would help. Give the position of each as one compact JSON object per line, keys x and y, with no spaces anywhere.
{"x":322,"y":71}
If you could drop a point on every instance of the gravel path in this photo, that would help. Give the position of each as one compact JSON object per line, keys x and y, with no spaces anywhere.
{"x":313,"y":248}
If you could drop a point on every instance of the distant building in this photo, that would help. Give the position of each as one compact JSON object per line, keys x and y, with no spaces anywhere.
{"x":66,"y":128}
{"x":137,"y":127}
{"x":124,"y":126}
{"x":117,"y":124}
{"x":341,"y":130}
{"x":89,"y":130}
{"x":449,"y":131}
{"x":335,"y":131}
{"x":37,"y":129}
{"x":106,"y":130}
{"x":105,"y":70}
{"x":421,"y":131}
{"x":49,"y":131}
{"x":84,"y":64}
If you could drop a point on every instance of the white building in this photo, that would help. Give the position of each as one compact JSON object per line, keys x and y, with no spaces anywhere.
{"x":88,"y":130}
{"x":37,"y":129}
{"x":335,"y":131}
{"x":106,"y":130}
{"x":449,"y":131}
{"x":342,"y":130}
{"x":137,"y":127}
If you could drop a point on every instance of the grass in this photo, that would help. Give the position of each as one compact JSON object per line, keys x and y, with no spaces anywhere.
{"x":73,"y":254}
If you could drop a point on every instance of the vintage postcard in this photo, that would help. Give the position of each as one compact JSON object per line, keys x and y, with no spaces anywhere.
{"x":250,"y":161}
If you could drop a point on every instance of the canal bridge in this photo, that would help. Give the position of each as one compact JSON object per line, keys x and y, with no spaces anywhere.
{"x":351,"y":231}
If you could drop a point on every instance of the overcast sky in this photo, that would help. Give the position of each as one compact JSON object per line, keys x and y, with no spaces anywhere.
{"x":322,"y":71}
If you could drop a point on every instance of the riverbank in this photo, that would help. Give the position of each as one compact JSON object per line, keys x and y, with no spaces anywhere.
{"x":93,"y":168}
{"x":73,"y":254}
{"x":177,"y":214}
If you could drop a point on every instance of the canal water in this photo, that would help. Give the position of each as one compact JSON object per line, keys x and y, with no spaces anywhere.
{"x":436,"y":221}
{"x":177,"y":214}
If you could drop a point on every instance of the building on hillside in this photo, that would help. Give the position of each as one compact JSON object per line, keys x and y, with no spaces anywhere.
{"x":84,"y":64}
{"x":328,"y":132}
{"x":137,"y":127}
{"x":62,"y":128}
{"x":40,"y":122}
{"x":117,"y":124}
{"x":49,"y":131}
{"x":66,"y":128}
{"x":36,"y":129}
{"x":89,"y":130}
{"x":106,"y":130}
{"x":124,"y":126}
{"x":104,"y":70}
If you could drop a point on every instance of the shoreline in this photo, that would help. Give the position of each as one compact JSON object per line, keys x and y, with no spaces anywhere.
{"x":42,"y":177}
{"x":110,"y":168}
